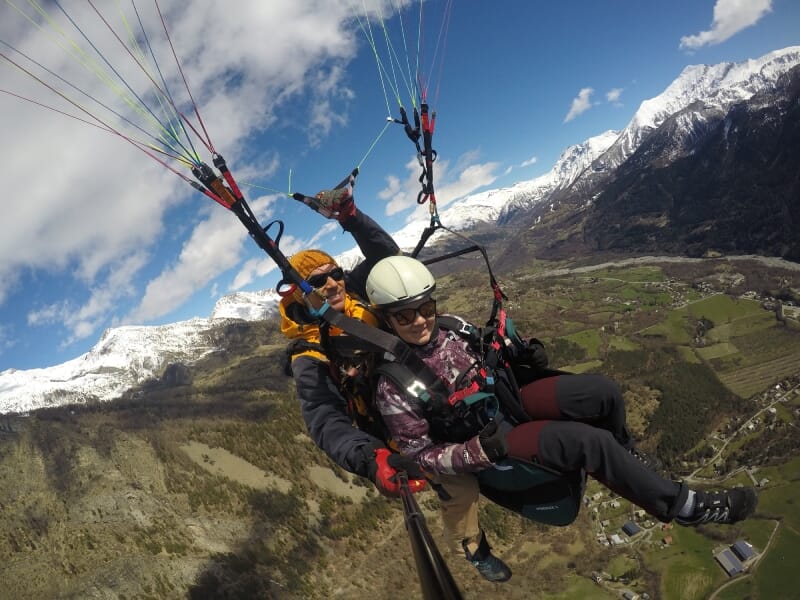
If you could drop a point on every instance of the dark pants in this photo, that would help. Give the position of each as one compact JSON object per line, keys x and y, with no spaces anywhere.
{"x":579,"y":423}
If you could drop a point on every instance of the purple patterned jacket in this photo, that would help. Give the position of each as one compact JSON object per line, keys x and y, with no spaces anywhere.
{"x":447,"y":355}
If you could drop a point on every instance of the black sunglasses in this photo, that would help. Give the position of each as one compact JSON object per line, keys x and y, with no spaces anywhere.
{"x":317,"y":281}
{"x":407,"y":316}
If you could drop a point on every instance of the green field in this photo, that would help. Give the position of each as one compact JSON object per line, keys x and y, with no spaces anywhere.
{"x":717,"y":350}
{"x":746,"y":347}
{"x":675,"y":328}
{"x":631,"y":274}
{"x":722,"y":309}
{"x":743,"y":588}
{"x":687,"y":568}
{"x":782,"y":496}
{"x":748,"y":381}
{"x":584,"y":367}
{"x":579,"y":588}
{"x":588,"y":339}
{"x":776,"y":575}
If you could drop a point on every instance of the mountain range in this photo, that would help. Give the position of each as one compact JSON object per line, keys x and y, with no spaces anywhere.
{"x":709,"y":165}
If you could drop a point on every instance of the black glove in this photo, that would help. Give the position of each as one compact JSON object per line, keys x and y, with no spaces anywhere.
{"x":384,"y":468}
{"x":535,"y":354}
{"x":493,"y":441}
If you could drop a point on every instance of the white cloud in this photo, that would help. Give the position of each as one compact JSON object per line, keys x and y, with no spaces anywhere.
{"x":216,"y":244}
{"x":614,"y":95}
{"x":252,"y":270}
{"x":531,"y":161}
{"x":82,"y":321}
{"x":580,"y":104}
{"x":94,"y":209}
{"x":401,"y":196}
{"x":471,"y":178}
{"x":451,"y":183}
{"x":730,"y":17}
{"x":6,"y":338}
{"x":259,"y":267}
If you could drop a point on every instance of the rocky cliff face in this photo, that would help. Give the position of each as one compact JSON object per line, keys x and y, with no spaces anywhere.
{"x":709,"y":180}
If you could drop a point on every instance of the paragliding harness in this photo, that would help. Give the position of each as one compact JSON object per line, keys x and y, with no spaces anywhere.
{"x":527,"y":488}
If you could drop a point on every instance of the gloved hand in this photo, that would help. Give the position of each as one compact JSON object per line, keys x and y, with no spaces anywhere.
{"x":383,"y":472}
{"x":339,"y":203}
{"x":493,"y":441}
{"x":535,"y":354}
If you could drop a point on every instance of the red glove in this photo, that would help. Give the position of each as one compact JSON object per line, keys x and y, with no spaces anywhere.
{"x":387,"y":464}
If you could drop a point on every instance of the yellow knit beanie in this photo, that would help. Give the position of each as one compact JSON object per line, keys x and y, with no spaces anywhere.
{"x":306,"y":261}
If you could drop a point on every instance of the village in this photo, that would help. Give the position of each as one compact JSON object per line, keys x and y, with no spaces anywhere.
{"x":620,"y":524}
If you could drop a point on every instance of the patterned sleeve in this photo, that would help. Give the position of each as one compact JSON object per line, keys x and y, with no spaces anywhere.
{"x":409,"y":430}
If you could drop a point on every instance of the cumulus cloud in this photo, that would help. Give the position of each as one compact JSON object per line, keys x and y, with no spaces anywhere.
{"x":216,"y":244}
{"x":401,"y":196}
{"x":95,"y":210}
{"x":82,"y":320}
{"x":453,"y":182}
{"x":6,"y":338}
{"x":730,"y":17}
{"x":614,"y":95}
{"x":580,"y":104}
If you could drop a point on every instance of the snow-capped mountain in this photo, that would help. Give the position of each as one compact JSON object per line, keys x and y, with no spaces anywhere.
{"x":250,"y":306}
{"x":716,"y":86}
{"x":127,"y":356}
{"x":698,"y":91}
{"x":498,"y":205}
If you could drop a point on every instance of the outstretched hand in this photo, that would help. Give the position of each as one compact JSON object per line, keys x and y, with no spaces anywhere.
{"x":339,"y":203}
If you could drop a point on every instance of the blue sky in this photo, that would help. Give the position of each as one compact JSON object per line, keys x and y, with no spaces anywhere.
{"x":95,"y":234}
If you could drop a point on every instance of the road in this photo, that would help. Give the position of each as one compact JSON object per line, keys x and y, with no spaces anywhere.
{"x":692,"y":477}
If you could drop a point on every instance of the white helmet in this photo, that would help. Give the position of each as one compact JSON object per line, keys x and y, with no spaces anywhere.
{"x":398,"y":280}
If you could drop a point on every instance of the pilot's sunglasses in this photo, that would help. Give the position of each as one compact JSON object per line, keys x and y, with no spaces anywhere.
{"x":317,"y":281}
{"x":407,"y":316}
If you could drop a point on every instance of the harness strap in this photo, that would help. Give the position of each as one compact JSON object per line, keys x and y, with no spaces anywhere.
{"x":377,"y":340}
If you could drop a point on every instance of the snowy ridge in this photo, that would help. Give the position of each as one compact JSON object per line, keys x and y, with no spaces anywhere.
{"x":125,"y":357}
{"x":249,"y":306}
{"x":491,"y":206}
{"x":717,"y":86}
{"x":572,"y":163}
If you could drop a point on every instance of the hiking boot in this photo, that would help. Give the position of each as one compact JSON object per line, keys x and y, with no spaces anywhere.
{"x":648,"y":460}
{"x":488,"y":565}
{"x":724,"y":506}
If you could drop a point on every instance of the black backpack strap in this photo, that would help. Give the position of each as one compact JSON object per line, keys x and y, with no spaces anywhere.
{"x":426,"y":387}
{"x":376,"y":340}
{"x":458,"y":325}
